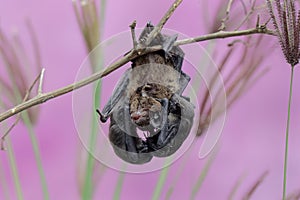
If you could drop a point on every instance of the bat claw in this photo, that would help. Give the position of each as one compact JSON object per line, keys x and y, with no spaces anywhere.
{"x":103,"y":118}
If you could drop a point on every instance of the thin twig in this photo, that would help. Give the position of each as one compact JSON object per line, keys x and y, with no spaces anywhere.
{"x":162,"y":22}
{"x":132,"y":28}
{"x":226,"y":34}
{"x":257,"y":21}
{"x":225,"y":19}
{"x":244,"y":6}
{"x":122,"y":61}
{"x":18,"y":116}
{"x":40,"y":88}
{"x":252,"y":9}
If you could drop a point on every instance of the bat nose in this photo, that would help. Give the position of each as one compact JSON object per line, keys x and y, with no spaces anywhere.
{"x":135,"y":116}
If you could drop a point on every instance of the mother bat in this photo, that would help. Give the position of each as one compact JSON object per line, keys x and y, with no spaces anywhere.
{"x":148,"y":99}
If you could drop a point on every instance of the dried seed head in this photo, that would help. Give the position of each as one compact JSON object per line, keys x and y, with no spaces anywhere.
{"x":287,"y":27}
{"x":238,"y":76}
{"x":16,"y":80}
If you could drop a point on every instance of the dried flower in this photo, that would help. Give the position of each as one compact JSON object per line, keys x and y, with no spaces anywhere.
{"x":15,"y":59}
{"x":88,"y":21}
{"x":240,"y":78}
{"x":287,"y":28}
{"x":288,"y":32}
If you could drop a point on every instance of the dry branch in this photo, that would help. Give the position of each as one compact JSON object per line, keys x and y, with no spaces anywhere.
{"x":42,"y":98}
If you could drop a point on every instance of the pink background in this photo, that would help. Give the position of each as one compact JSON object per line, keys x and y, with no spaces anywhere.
{"x":253,"y":137}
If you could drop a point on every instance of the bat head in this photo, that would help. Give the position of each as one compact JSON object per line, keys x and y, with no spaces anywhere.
{"x":145,"y":106}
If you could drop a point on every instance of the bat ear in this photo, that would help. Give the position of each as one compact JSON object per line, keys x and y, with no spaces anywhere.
{"x":149,"y":24}
{"x":149,"y":27}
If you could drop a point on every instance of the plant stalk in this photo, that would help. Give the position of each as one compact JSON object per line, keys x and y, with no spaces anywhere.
{"x":287,"y":135}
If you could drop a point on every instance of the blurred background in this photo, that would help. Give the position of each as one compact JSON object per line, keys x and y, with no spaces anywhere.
{"x":45,"y":158}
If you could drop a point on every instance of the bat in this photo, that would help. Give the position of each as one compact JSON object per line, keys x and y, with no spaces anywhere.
{"x":148,"y":99}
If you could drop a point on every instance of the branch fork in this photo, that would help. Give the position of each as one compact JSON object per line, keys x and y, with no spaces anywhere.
{"x":40,"y":77}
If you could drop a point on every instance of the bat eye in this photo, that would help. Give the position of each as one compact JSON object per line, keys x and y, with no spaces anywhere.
{"x":147,"y":88}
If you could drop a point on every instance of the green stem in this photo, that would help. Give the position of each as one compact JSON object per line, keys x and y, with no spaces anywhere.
{"x":202,"y":176}
{"x":3,"y":182}
{"x":14,"y":169}
{"x":160,"y":183}
{"x":88,"y":189}
{"x":287,"y":135}
{"x":118,"y":189}
{"x":37,"y":155}
{"x":97,"y":64}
